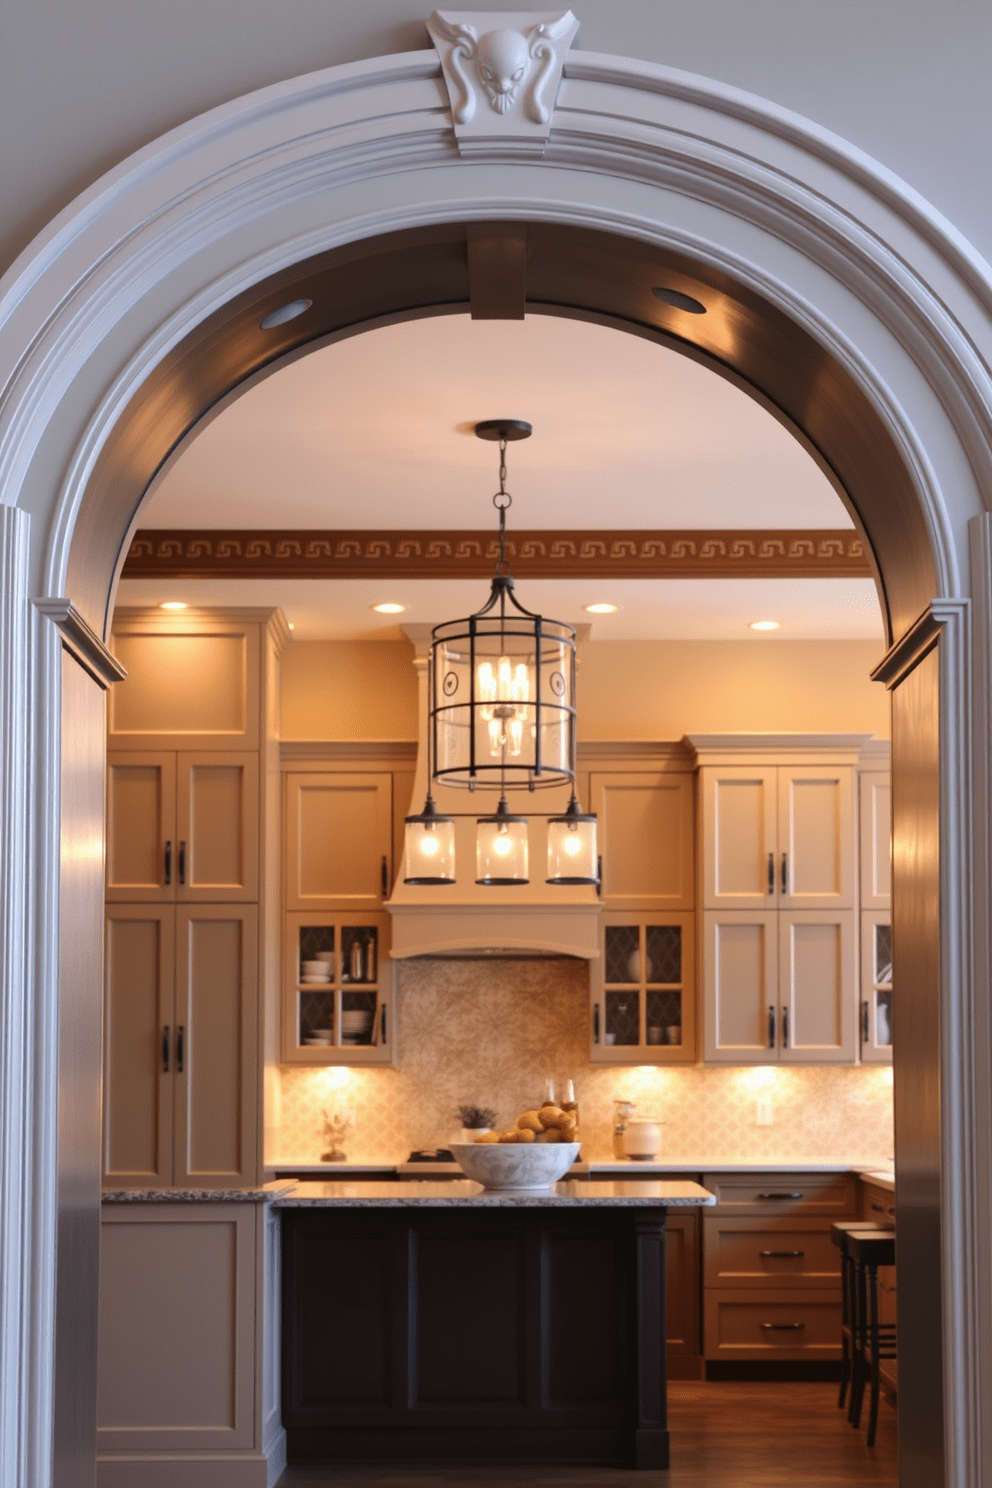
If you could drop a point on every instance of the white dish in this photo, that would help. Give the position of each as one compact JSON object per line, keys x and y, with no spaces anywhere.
{"x":311,"y":981}
{"x":515,"y":1165}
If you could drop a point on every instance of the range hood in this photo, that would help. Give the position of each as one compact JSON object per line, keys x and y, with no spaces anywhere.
{"x":468,"y":919}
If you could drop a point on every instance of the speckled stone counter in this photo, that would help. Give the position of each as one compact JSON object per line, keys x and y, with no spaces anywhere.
{"x":463,"y":1194}
{"x":195,"y":1195}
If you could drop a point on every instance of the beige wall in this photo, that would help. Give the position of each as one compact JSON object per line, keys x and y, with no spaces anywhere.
{"x":627,"y":689}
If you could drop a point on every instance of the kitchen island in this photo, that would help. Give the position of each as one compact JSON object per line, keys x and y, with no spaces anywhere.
{"x":440,"y":1321}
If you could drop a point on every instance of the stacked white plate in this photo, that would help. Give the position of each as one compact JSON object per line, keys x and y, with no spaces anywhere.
{"x":355,"y":1025}
{"x":316,"y":971}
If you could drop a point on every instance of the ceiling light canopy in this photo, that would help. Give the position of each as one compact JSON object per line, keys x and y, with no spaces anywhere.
{"x":501,"y":716}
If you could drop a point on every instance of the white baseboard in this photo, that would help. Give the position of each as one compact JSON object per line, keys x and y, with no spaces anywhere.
{"x":275,"y":1453}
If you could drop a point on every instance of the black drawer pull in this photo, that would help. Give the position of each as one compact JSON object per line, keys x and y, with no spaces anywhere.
{"x":783,"y":1327}
{"x":168,"y":863}
{"x":166,"y":1040}
{"x":182,"y":862}
{"x":771,"y":873}
{"x":180,"y":1041}
{"x":779,"y":1197}
{"x":783,"y":1255}
{"x":771,"y":1028}
{"x":785,"y":873}
{"x":876,"y":1207}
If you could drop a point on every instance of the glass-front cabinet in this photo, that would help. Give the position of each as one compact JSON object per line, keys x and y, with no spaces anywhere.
{"x":876,"y":987}
{"x":643,"y":996}
{"x":337,"y":1005}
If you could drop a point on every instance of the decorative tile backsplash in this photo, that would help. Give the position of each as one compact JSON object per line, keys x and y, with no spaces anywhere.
{"x":492,"y":1031}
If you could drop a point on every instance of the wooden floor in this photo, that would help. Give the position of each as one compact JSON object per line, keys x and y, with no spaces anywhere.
{"x":723,"y":1436}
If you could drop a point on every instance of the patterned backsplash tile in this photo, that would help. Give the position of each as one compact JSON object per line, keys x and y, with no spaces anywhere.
{"x":492,"y":1031}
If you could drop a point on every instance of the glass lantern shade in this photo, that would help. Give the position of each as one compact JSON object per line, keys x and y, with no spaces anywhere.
{"x":501,"y":848}
{"x":429,"y":847}
{"x":572,"y":855}
{"x":502,"y":701}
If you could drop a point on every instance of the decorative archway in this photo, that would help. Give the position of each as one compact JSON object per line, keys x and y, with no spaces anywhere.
{"x":835,"y":294}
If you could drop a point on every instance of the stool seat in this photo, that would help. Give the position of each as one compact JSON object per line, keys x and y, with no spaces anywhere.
{"x":864,"y":1248}
{"x":873,"y":1247}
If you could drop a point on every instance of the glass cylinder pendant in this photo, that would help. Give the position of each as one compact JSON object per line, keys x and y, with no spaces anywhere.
{"x":572,"y":855}
{"x":501,"y":848}
{"x":429,"y":847}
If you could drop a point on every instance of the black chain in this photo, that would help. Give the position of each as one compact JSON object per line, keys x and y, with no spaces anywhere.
{"x":501,"y":501}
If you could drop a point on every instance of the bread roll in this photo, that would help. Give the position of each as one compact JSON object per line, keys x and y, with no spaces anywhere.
{"x":529,"y":1121}
{"x":550,"y":1116}
{"x":487,"y":1138}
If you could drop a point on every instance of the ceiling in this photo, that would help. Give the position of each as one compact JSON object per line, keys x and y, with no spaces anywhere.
{"x":375,"y":431}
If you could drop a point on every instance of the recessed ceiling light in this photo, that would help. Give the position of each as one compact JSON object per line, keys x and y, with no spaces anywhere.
{"x":389,"y":609}
{"x":601,"y":609}
{"x":173,"y":604}
{"x":284,"y":314}
{"x":290,"y":624}
{"x":766,"y":625}
{"x":678,"y":300}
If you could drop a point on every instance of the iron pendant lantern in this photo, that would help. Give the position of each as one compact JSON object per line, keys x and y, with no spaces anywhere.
{"x":572,"y":854}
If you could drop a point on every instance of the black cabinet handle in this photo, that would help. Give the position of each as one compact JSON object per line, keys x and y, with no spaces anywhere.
{"x":180,"y":1041}
{"x":864,"y":1022}
{"x":785,"y":873}
{"x":182,"y":862}
{"x":779,"y":1197}
{"x":166,"y":1041}
{"x":771,"y":873}
{"x":595,"y":1024}
{"x":782,"y":1327}
{"x":771,"y":1027}
{"x":382,"y":1022}
{"x":168,"y":863}
{"x":783,"y":1255}
{"x":599,"y":877}
{"x":876,"y":1207}
{"x":785,"y":1028}
{"x":384,"y":877}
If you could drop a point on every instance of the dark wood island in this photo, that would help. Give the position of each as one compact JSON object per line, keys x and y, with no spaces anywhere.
{"x":441,"y":1321}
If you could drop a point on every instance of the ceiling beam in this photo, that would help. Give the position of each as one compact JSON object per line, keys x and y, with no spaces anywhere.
{"x":638,"y":554}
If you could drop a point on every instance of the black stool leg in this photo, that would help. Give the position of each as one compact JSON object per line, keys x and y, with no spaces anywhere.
{"x":858,"y":1346}
{"x":873,"y":1346}
{"x":845,"y":1327}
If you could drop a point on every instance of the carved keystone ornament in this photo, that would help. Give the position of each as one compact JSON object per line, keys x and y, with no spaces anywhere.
{"x":502,"y":80}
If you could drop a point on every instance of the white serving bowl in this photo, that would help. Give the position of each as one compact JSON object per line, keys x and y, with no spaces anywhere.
{"x":515,"y":1165}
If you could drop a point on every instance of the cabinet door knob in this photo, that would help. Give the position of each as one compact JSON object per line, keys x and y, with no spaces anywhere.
{"x":182,"y":862}
{"x":180,"y":1042}
{"x":166,"y":1042}
{"x":168,"y":863}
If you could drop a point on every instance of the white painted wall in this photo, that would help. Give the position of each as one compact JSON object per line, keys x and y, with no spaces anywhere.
{"x":83,"y":85}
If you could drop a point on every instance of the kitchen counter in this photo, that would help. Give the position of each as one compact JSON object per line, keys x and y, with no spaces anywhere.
{"x":463,"y":1194}
{"x":602,"y":1169}
{"x":195,"y":1195}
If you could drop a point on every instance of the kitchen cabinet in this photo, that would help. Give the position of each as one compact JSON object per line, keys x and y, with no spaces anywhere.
{"x":643,"y":990}
{"x":876,"y":918}
{"x":646,"y":839}
{"x":332,"y":1015}
{"x":682,"y":1319}
{"x":771,"y":1275}
{"x":182,"y":826}
{"x":180,"y":1046}
{"x":338,"y":840}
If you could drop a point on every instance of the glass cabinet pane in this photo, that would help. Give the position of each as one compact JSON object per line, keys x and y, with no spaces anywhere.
{"x":663,"y":1017}
{"x":316,"y":1022}
{"x":623,"y":953}
{"x":358,"y":1023}
{"x":623,"y":1018}
{"x":359,"y":953}
{"x":883,"y":955}
{"x":664,"y":954}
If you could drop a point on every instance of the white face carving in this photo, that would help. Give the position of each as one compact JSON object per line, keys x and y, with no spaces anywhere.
{"x":503,"y":62}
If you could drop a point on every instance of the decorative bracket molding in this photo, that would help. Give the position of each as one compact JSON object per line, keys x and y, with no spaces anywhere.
{"x":502,"y":80}
{"x":85,"y":645}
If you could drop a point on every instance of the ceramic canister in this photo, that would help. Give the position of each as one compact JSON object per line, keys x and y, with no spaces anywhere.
{"x":642,"y":1140}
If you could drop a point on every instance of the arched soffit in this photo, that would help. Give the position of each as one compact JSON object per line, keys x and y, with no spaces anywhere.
{"x":835,"y":294}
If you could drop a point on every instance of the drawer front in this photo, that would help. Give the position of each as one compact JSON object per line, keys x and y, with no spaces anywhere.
{"x":770,"y":1254}
{"x":878,"y":1205}
{"x":832,"y":1194}
{"x":778,"y":1325}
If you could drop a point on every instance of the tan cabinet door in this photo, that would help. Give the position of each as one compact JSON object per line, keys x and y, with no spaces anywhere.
{"x":139,"y":1046}
{"x":646,"y":839}
{"x":817,"y":839}
{"x":739,"y":808}
{"x":216,"y":1042}
{"x":217,"y":844}
{"x":876,"y":839}
{"x":817,"y":970}
{"x":740,"y":986}
{"x":185,"y":689}
{"x":338,"y":840}
{"x":141,"y":822}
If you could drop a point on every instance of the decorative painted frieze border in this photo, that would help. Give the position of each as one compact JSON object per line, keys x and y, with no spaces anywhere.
{"x":637,"y":554}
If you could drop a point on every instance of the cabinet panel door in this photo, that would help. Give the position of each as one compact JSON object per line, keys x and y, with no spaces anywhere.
{"x":217,"y":827}
{"x":338,"y":835}
{"x":646,"y":826}
{"x":739,"y":837}
{"x":817,"y":986}
{"x":876,"y":839}
{"x":740,"y":961}
{"x":176,"y":1368}
{"x":184,"y":689}
{"x":875,"y":1019}
{"x":216,"y":1016}
{"x":682,"y":1283}
{"x":141,"y":827}
{"x":817,"y":839}
{"x":138,"y":1046}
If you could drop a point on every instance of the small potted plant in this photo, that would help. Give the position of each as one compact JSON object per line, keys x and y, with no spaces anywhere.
{"x":475,"y":1120}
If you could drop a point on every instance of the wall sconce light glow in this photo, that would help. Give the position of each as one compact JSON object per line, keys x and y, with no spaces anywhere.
{"x":389,"y":608}
{"x":173,"y":604}
{"x":601,"y":609}
{"x":766,"y":625}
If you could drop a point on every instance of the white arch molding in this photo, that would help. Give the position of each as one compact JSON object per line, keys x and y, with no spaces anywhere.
{"x":845,"y":250}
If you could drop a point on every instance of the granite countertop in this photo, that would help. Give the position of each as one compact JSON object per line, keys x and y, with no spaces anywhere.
{"x":611,"y":1168}
{"x":462,"y":1193}
{"x":882,"y":1177}
{"x":195,"y":1195}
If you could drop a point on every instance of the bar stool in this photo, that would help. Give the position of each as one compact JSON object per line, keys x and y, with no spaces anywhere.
{"x":849,"y":1357}
{"x":874,"y":1341}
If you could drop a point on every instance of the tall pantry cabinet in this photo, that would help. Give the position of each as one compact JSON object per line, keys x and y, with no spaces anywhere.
{"x":192,"y":776}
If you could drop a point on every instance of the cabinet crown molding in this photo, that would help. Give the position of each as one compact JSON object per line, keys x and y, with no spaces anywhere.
{"x":720,"y":749}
